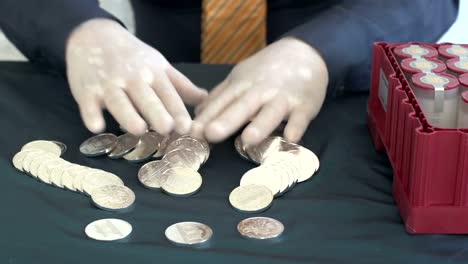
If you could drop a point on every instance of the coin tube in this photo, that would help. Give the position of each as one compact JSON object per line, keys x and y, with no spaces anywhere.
{"x":415,"y":51}
{"x":437,"y":94}
{"x":449,"y":51}
{"x":419,"y":65}
{"x":463,"y":79}
{"x":458,"y":65}
{"x":463,"y":111}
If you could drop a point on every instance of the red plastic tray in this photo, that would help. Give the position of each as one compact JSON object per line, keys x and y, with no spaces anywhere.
{"x":430,"y":164}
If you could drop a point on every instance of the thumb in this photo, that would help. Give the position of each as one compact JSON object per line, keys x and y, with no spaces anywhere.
{"x":189,"y":92}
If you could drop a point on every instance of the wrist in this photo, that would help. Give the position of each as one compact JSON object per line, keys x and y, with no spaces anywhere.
{"x":304,"y":51}
{"x":89,"y":30}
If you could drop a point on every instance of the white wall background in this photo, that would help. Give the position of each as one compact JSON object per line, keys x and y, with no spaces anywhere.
{"x":458,"y":33}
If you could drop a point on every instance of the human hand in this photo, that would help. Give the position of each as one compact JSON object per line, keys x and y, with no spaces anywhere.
{"x":107,"y":67}
{"x":286,"y":80}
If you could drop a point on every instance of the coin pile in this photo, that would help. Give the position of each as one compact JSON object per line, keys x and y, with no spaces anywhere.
{"x":282,"y":166}
{"x":127,"y":146}
{"x":177,"y":172}
{"x":41,"y":160}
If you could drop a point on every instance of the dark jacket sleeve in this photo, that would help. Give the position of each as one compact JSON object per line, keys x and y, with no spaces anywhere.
{"x":40,"y":29}
{"x":344,"y":34}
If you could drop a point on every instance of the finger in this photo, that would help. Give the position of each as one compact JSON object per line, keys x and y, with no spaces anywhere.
{"x":231,"y":119}
{"x":190,"y":93}
{"x":217,"y":104}
{"x":298,"y":122}
{"x":121,"y":108}
{"x":267,"y":120}
{"x":211,"y":109}
{"x":211,"y":96}
{"x":150,"y":106}
{"x":173,"y":103}
{"x":91,"y":113}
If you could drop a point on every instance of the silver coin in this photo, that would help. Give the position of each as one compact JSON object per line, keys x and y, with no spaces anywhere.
{"x":309,"y":162}
{"x":188,"y":233}
{"x":166,"y":140}
{"x":19,"y":158}
{"x":181,"y":181}
{"x":55,"y":175}
{"x":35,"y":164}
{"x":265,"y":176}
{"x":145,"y":149}
{"x":125,"y":143}
{"x":113,"y":197}
{"x":251,"y":198}
{"x":99,"y":179}
{"x":260,"y":228}
{"x":45,"y":145}
{"x":29,"y":158}
{"x":108,"y":229}
{"x":44,"y":171}
{"x":151,"y":175}
{"x":79,"y":178}
{"x":259,"y":152}
{"x":195,"y":145}
{"x":240,"y":148}
{"x":286,"y":164}
{"x":186,"y":158}
{"x":63,"y":147}
{"x":68,"y":176}
{"x":98,"y":145}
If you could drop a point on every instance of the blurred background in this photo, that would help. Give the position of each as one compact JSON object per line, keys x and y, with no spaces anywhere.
{"x":123,"y":10}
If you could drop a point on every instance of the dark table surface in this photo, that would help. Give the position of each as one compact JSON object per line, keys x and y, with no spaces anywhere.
{"x":345,"y":214}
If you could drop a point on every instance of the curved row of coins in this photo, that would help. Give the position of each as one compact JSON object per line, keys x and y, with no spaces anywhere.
{"x":42,"y":160}
{"x":282,"y":166}
{"x":185,"y":233}
{"x":176,"y":173}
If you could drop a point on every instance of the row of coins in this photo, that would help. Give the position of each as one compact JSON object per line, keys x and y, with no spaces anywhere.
{"x":282,"y":166}
{"x":186,"y":233}
{"x":177,"y":172}
{"x":41,"y":160}
{"x":127,"y":146}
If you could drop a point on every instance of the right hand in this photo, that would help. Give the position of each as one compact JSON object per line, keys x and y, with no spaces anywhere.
{"x":107,"y":67}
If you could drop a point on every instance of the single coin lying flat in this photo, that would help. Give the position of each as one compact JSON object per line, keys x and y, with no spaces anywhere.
{"x":260,"y":228}
{"x":108,"y":229}
{"x":188,"y":233}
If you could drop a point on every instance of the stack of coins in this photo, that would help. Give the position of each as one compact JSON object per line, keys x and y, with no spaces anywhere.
{"x":282,"y":166}
{"x":41,"y":160}
{"x":177,"y":172}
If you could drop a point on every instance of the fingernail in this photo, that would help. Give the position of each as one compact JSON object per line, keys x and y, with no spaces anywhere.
{"x":183,"y":125}
{"x":251,"y":136}
{"x":215,"y":131}
{"x":97,"y":126}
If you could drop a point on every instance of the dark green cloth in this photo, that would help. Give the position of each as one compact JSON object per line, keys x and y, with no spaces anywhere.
{"x":345,"y":214}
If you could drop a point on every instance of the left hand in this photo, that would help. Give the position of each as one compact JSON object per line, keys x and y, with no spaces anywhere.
{"x":286,"y":80}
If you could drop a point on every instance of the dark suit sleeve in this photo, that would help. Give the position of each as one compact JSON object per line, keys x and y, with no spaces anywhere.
{"x":40,"y":29}
{"x":344,"y":34}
